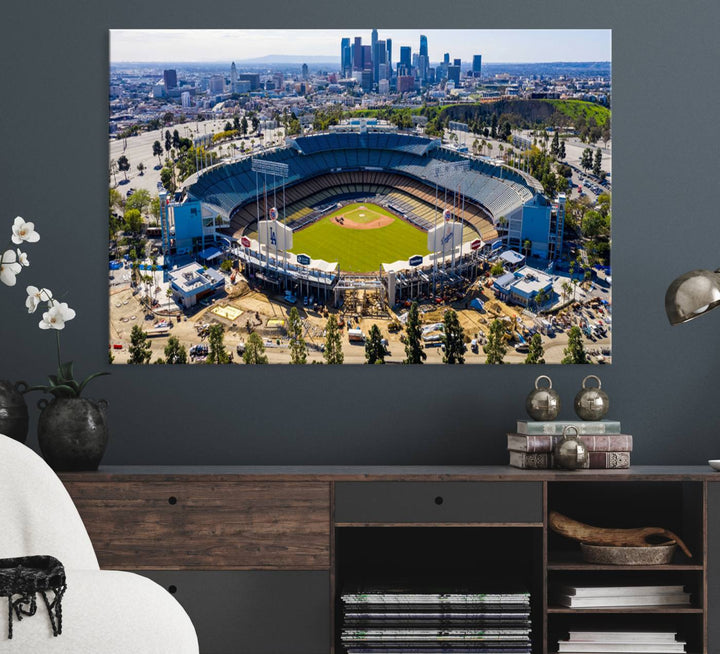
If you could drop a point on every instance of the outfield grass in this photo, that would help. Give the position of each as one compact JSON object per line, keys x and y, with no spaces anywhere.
{"x":358,"y":250}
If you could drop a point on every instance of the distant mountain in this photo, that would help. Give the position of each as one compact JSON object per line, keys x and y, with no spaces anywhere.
{"x":291,"y":59}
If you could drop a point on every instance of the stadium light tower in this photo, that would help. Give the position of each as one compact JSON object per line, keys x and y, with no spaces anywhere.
{"x":441,"y":171}
{"x":275,"y":169}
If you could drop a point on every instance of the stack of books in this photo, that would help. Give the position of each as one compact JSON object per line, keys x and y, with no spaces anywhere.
{"x":531,"y":446}
{"x":402,"y":622}
{"x":584,"y":597}
{"x":646,"y":642}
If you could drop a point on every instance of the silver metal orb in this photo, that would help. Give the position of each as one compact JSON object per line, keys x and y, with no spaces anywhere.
{"x":591,"y":403}
{"x":543,"y":403}
{"x":570,"y":453}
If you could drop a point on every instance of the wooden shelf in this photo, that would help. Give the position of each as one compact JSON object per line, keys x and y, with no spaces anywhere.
{"x":626,"y":609}
{"x":573,"y":561}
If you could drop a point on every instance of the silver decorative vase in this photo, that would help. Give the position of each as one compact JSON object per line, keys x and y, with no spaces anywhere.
{"x":72,"y":433}
{"x":543,"y":403}
{"x":591,"y":403}
{"x":13,"y":410}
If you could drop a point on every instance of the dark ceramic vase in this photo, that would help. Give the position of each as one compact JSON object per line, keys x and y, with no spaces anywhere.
{"x":72,"y":433}
{"x":13,"y":410}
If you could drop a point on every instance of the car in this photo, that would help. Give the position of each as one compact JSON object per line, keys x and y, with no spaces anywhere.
{"x":130,"y":192}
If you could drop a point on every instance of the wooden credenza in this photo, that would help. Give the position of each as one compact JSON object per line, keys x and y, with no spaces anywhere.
{"x":259,"y":555}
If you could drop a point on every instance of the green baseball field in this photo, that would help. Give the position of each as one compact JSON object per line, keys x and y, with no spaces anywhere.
{"x":360,"y":237}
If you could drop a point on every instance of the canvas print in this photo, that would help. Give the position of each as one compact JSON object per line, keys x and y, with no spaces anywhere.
{"x":357,"y":196}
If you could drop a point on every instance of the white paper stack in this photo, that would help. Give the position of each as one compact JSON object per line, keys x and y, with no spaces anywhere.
{"x":583,"y":597}
{"x":621,"y":642}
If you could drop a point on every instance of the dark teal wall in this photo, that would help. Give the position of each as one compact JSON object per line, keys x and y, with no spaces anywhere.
{"x":663,"y":384}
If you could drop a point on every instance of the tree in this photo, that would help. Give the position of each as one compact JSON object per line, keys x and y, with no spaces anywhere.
{"x":374,"y":348}
{"x":140,"y":349}
{"x":255,"y":123}
{"x":254,"y":350}
{"x":527,"y":247}
{"x":497,"y":269}
{"x":298,"y":347}
{"x":561,"y":151}
{"x":453,"y":338}
{"x":555,"y":145}
{"x":123,"y":165}
{"x":586,"y":161}
{"x":333,"y":353}
{"x":139,"y":200}
{"x":216,"y":347}
{"x":536,"y":352}
{"x":157,"y":151}
{"x":175,"y":352}
{"x":244,"y":125}
{"x":228,"y":127}
{"x":597,"y":163}
{"x":133,"y":221}
{"x":155,"y":208}
{"x":236,"y":123}
{"x":168,"y":141}
{"x":141,"y":168}
{"x":575,"y":350}
{"x":176,"y":139}
{"x":414,"y":352}
{"x":495,"y":348}
{"x":226,"y":265}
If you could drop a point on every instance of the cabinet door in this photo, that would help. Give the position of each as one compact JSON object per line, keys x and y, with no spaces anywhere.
{"x":254,"y":611}
{"x":144,"y":524}
{"x":403,"y":502}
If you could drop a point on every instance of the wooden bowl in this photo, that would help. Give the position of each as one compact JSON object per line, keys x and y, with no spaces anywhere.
{"x":618,"y":555}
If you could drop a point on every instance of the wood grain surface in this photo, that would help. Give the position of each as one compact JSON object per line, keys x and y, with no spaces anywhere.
{"x":155,"y":525}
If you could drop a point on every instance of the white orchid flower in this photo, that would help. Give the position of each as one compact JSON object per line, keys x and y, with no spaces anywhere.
{"x":9,"y":267}
{"x":56,"y":316}
{"x":22,"y":258}
{"x":36,"y":296}
{"x":22,"y":231}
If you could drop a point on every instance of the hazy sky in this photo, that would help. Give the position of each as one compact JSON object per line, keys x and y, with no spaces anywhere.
{"x":234,"y":45}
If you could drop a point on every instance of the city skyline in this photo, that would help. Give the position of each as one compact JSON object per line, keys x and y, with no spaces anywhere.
{"x":496,"y":46}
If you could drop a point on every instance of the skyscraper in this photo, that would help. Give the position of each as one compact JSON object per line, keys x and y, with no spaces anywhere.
{"x":477,"y":65}
{"x":379,"y":60}
{"x":374,"y":54}
{"x":305,"y":74}
{"x":388,"y":46}
{"x":233,"y":78}
{"x":423,"y":45}
{"x":170,"y":78}
{"x":423,"y":59}
{"x":345,"y":56}
{"x":357,"y":54}
{"x":454,"y":75}
{"x":405,"y":57}
{"x":366,"y":58}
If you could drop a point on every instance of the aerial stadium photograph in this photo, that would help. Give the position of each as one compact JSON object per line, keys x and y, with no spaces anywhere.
{"x":360,"y":196}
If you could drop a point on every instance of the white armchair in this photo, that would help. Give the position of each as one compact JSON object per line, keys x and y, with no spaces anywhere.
{"x":104,"y":612}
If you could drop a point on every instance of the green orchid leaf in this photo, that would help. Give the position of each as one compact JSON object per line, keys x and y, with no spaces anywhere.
{"x":65,"y":372}
{"x":53,"y":380}
{"x":63,"y":391}
{"x":89,"y":379}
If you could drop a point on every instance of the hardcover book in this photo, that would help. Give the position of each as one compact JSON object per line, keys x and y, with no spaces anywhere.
{"x":555,"y":427}
{"x":593,"y":442}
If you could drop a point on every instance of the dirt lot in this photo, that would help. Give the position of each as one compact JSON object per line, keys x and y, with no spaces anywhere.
{"x":257,"y":309}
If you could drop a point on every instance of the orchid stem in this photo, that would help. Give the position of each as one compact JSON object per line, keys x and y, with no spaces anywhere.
{"x":57,"y":333}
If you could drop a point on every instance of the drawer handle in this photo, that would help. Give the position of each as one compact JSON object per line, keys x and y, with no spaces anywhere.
{"x":172,"y":500}
{"x":439,"y":500}
{"x":172,"y":589}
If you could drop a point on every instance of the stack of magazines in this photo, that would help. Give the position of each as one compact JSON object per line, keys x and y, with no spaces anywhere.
{"x":384,"y":621}
{"x":624,"y":642}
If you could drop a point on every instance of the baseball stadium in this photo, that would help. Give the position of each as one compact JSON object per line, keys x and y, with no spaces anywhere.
{"x":393,"y":211}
